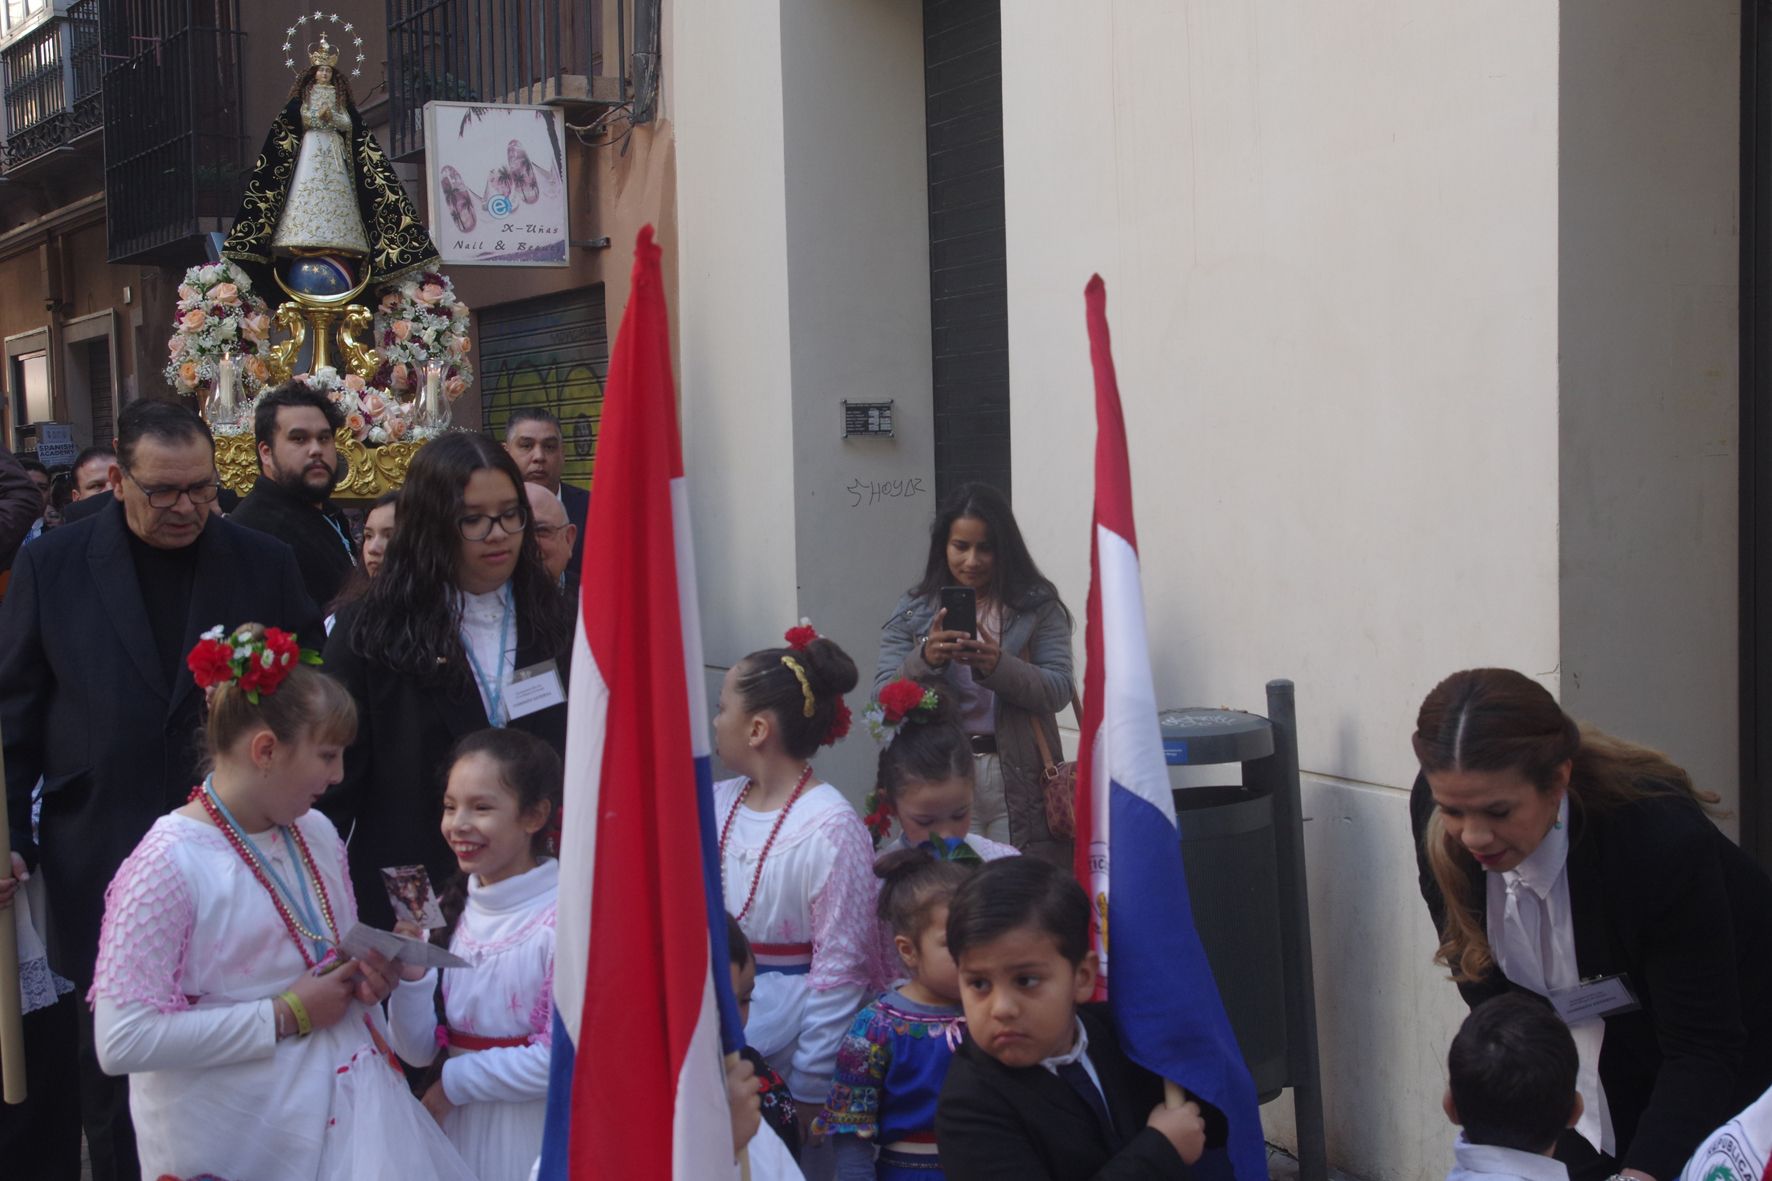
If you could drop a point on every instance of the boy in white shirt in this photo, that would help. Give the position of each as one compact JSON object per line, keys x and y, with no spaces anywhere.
{"x":1512,"y":1089}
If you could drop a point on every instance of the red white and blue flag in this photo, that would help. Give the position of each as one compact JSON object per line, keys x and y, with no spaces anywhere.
{"x":1128,"y":850}
{"x":643,"y":1004}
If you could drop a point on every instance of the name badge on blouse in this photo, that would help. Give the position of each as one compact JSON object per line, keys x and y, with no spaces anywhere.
{"x":534,"y":688}
{"x":1603,"y":996}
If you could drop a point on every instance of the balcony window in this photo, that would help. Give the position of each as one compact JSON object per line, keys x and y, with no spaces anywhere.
{"x":52,"y":80}
{"x":500,"y":51}
{"x":174,"y":137}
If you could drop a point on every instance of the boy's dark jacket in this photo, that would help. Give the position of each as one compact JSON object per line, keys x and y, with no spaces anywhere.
{"x":1027,"y":1124}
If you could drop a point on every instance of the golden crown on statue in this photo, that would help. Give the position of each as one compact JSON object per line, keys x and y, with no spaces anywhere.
{"x":325,"y":55}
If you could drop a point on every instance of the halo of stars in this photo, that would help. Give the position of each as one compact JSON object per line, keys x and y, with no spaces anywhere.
{"x":320,"y":18}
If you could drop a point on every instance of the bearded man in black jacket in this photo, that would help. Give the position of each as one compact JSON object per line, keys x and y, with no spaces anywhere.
{"x":295,"y":426}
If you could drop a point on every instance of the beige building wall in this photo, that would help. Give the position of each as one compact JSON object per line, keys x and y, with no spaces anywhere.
{"x":803,"y":220}
{"x":1649,"y":256}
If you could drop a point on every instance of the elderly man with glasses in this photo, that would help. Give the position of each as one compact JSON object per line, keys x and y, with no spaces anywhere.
{"x":95,"y":698}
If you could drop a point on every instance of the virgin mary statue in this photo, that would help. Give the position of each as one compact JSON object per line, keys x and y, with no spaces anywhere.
{"x":323,"y":186}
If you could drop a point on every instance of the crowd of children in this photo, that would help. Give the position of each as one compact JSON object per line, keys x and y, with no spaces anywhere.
{"x":914,"y":1012}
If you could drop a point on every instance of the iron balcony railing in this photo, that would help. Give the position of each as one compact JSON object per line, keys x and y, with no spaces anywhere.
{"x":52,"y":84}
{"x":500,"y":51}
{"x":173,"y":126}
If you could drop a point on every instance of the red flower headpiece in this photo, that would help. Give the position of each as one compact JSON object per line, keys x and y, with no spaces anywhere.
{"x":800,"y":638}
{"x":258,"y":663}
{"x":839,"y":724}
{"x":897,"y":702}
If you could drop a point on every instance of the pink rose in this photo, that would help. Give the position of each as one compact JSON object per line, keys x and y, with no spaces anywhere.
{"x":257,"y":326}
{"x":261,"y":372}
{"x":187,"y":374}
{"x":390,"y":303}
{"x":401,"y":375}
{"x":396,"y":428}
{"x":186,"y":292}
{"x":355,"y":384}
{"x":194,"y":320}
{"x":458,"y":345}
{"x":354,"y":424}
{"x":454,"y":388}
{"x":430,"y":294}
{"x":225,"y":293}
{"x":459,"y":311}
{"x":373,"y":405}
{"x":402,"y":329}
{"x":175,"y":346}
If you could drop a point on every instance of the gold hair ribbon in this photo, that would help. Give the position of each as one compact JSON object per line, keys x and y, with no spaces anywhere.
{"x":805,"y":685}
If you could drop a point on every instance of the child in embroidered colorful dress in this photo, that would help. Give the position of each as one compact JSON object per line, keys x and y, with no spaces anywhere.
{"x":891,"y":1065}
{"x":794,"y":858}
{"x":255,"y":1052}
{"x":491,"y":1093}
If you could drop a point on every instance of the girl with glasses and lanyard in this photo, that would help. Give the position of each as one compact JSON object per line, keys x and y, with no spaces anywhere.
{"x":462,"y":629}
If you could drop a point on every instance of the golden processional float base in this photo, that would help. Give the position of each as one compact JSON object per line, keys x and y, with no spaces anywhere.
{"x":370,"y":471}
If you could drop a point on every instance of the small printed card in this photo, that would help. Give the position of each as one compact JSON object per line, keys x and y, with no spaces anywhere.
{"x":534,"y":688}
{"x":361,"y":939}
{"x":409,"y":889}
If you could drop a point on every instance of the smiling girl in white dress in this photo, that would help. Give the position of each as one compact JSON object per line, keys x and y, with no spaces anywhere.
{"x":490,"y":1095}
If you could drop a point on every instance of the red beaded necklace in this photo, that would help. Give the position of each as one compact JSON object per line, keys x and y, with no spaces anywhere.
{"x":726,"y":829}
{"x":250,"y":856}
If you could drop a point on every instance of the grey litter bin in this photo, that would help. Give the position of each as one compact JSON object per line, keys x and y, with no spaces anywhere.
{"x":1243,"y":847}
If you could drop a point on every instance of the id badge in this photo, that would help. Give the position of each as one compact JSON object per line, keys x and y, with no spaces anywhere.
{"x":1591,"y":1000}
{"x":534,"y":688}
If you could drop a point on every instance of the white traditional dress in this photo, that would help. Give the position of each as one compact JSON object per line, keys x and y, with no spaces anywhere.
{"x":810,"y":925}
{"x":498,"y":1020}
{"x":320,"y":212}
{"x":190,"y":956}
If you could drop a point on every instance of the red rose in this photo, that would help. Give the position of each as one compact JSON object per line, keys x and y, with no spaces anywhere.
{"x":211,"y":663}
{"x":839,"y":724}
{"x":800,"y":638}
{"x":900,"y":698}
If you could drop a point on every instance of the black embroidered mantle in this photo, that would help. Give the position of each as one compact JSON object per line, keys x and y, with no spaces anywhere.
{"x":399,"y":244}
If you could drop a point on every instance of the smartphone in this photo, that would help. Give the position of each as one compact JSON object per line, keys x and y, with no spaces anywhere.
{"x":961,"y":605}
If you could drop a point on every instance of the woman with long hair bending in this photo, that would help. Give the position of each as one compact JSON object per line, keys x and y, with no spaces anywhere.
{"x":461,"y":630}
{"x":1561,"y":861}
{"x":1009,"y":680}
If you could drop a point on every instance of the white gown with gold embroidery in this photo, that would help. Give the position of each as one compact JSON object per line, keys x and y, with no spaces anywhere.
{"x":321,"y":210}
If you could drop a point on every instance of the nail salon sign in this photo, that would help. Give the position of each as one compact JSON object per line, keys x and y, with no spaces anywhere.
{"x":496,"y":179}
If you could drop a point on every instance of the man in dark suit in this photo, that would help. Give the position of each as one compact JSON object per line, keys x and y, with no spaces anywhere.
{"x":20,"y":504}
{"x":298,"y":469}
{"x":532,"y":436}
{"x":95,"y":698}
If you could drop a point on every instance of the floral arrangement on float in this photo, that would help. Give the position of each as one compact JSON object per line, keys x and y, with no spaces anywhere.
{"x":219,"y":317}
{"x":220,"y":354}
{"x":416,"y":322}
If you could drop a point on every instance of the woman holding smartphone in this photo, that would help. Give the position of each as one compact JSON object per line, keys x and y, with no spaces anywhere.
{"x":1009,"y":667}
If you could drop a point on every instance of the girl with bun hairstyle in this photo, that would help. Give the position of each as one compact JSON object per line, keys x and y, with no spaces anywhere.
{"x":890,"y":1067}
{"x":255,"y":1047}
{"x":1554,"y":859}
{"x":794,"y":858}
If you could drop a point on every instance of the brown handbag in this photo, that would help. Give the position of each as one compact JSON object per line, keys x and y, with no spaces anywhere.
{"x":1058,"y":781}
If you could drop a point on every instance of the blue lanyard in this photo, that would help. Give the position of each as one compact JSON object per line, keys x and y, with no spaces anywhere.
{"x":493,"y":689}
{"x":342,"y":536}
{"x":305,"y":906}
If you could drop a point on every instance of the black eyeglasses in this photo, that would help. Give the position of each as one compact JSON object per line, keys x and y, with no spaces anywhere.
{"x":202,"y":493}
{"x":479,"y":528}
